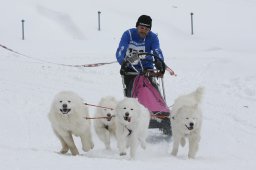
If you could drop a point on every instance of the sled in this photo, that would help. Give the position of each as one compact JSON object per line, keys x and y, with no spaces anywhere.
{"x":148,"y":87}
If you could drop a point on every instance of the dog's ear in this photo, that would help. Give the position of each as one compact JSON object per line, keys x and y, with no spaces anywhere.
{"x":176,"y":112}
{"x":199,"y":94}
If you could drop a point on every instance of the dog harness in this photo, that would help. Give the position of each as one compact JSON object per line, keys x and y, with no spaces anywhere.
{"x":129,"y":130}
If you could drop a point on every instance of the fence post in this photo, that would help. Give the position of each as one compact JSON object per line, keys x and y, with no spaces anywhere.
{"x":23,"y":36}
{"x":192,"y":29}
{"x":99,"y":20}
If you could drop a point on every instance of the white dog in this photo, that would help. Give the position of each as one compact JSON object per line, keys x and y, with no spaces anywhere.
{"x":67,"y":118}
{"x":186,"y":120}
{"x":105,"y":127}
{"x":132,"y":121}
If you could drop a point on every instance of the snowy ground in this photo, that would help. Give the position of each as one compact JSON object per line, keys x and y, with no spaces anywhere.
{"x":220,"y":57}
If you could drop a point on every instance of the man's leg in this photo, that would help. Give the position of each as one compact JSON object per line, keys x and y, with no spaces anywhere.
{"x":128,"y":80}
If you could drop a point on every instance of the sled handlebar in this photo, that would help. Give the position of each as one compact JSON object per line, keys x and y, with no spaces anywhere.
{"x":148,"y":73}
{"x":158,"y":72}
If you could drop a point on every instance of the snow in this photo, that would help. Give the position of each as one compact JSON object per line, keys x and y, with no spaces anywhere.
{"x":220,"y":56}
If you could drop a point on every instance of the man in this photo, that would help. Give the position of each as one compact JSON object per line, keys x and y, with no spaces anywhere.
{"x":138,"y":40}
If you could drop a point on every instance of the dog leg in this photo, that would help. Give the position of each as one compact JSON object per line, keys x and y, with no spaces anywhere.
{"x":142,"y":143}
{"x":64,"y":145}
{"x":134,"y":145}
{"x":107,"y":140}
{"x":183,"y":141}
{"x":121,"y":139}
{"x":70,"y":142}
{"x":121,"y":142}
{"x":86,"y":140}
{"x":193,"y":145}
{"x":122,"y":146}
{"x":65,"y":148}
{"x":175,"y":147}
{"x":104,"y":136}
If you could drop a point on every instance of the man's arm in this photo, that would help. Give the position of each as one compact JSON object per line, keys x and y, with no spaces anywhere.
{"x":156,"y":47}
{"x":122,"y":48}
{"x":157,"y":51}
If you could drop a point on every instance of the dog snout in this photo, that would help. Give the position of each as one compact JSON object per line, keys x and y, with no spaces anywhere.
{"x":108,"y":115}
{"x":64,"y":105}
{"x":126,"y":117}
{"x":191,"y":124}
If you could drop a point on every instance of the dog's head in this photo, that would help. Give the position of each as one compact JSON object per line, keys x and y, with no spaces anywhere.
{"x":128,"y":111}
{"x":190,"y":122}
{"x":108,"y":105}
{"x":188,"y":117}
{"x":65,"y":102}
{"x":186,"y":110}
{"x":64,"y":106}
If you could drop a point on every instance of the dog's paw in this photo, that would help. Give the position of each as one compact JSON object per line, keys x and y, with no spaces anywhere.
{"x":74,"y":152}
{"x":64,"y":150}
{"x":122,"y":154}
{"x":108,"y":147}
{"x":86,"y":149}
{"x":143,"y":146}
{"x":174,"y":153}
{"x":191,"y":156}
{"x":92,"y":145}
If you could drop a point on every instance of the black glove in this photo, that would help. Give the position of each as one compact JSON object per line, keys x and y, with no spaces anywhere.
{"x":160,"y":66}
{"x":124,"y":67}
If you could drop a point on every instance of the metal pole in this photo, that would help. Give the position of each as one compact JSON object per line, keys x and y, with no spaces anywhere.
{"x":99,"y":20}
{"x":124,"y":86}
{"x":192,"y":31}
{"x":22,"y":21}
{"x":162,"y":81}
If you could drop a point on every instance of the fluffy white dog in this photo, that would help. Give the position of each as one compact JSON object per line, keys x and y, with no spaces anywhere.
{"x":132,"y":121}
{"x":105,"y":127}
{"x":67,"y":118}
{"x":186,"y":120}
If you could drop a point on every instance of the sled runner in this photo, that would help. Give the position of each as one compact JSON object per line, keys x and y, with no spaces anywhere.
{"x":147,"y":85}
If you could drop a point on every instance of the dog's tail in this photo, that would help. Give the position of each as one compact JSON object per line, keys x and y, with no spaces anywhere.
{"x":199,"y":94}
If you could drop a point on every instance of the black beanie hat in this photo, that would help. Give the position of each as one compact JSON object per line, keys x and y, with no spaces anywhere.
{"x":144,"y":20}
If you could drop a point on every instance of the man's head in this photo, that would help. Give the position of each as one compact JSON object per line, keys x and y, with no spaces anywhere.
{"x":144,"y":25}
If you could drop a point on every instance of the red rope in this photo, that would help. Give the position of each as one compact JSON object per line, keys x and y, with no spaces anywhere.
{"x":102,"y":117}
{"x":172,"y":73}
{"x":92,"y":65}
{"x":44,"y":61}
{"x":105,"y":117}
{"x":156,"y":115}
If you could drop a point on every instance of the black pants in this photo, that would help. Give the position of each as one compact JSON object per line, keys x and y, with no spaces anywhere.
{"x":128,"y":81}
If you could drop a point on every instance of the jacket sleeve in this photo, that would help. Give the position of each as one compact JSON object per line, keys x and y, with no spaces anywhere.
{"x":122,"y":48}
{"x":156,"y":47}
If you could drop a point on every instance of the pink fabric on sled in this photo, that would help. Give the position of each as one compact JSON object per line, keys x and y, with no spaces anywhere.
{"x":148,"y":95}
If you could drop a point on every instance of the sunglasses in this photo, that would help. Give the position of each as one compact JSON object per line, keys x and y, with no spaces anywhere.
{"x":143,"y":28}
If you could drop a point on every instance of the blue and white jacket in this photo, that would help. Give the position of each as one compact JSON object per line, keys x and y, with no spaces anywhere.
{"x":131,"y":41}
